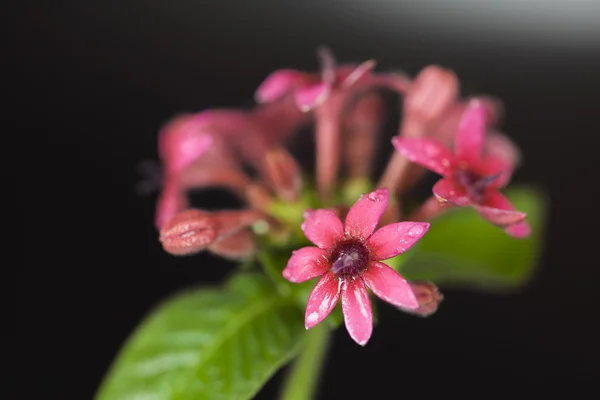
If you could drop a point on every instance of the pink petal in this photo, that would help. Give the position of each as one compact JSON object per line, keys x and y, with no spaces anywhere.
{"x":364,"y":215}
{"x":471,"y":133}
{"x":447,"y":191}
{"x":495,"y":167}
{"x":432,"y":93}
{"x":499,"y":145}
{"x":356,"y":307}
{"x":519,"y":230}
{"x":359,"y":72}
{"x":390,"y":286}
{"x":310,"y":97}
{"x":328,"y":64}
{"x":322,"y":300}
{"x":305,"y":263}
{"x":276,"y":85}
{"x":426,"y":152}
{"x":322,"y":227}
{"x":181,"y":142}
{"x":394,"y":239}
{"x":498,"y":210}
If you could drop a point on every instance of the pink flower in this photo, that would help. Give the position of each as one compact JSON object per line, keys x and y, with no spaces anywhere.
{"x":348,"y":260}
{"x":469,"y":176}
{"x":311,"y":89}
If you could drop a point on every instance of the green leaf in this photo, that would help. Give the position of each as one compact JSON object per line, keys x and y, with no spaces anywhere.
{"x":461,"y":249}
{"x":208,"y":344}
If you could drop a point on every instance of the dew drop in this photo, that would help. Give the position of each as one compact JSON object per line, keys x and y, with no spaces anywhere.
{"x":415,"y":230}
{"x":376,"y":196}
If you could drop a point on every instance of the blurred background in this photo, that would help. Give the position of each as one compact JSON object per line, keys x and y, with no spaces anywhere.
{"x":100,"y":78}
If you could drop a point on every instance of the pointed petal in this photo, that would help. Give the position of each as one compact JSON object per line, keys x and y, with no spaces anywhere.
{"x":394,"y":239}
{"x":498,"y":210}
{"x":426,"y":152}
{"x":447,"y":191}
{"x":390,"y":286}
{"x":359,"y":72}
{"x":497,"y":168}
{"x":322,"y":300}
{"x":432,"y":93}
{"x":181,"y":142}
{"x":322,"y":227}
{"x":310,"y":97}
{"x":305,"y":264}
{"x":277,"y":84}
{"x":471,"y":133}
{"x":358,"y":315}
{"x":499,"y":145}
{"x":364,"y":215}
{"x":519,"y":230}
{"x":327,"y":63}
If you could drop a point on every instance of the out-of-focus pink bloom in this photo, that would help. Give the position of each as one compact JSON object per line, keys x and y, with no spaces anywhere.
{"x":181,"y":141}
{"x":310,"y":90}
{"x":327,"y":93}
{"x":348,"y":260}
{"x":210,"y":148}
{"x":469,"y":176}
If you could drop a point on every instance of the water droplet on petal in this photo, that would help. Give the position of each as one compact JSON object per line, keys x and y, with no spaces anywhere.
{"x":377,"y":195}
{"x":415,"y":230}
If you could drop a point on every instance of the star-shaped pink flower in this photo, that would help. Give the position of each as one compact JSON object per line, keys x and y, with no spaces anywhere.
{"x":469,"y":176}
{"x":348,"y":259}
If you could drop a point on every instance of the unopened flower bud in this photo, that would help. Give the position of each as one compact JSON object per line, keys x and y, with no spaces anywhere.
{"x":236,"y":246}
{"x":428,"y":296}
{"x":189,"y":232}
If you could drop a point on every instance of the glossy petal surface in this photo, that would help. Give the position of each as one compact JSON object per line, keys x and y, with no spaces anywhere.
{"x":322,"y":227}
{"x":428,"y":153}
{"x":305,"y":264}
{"x":364,"y":215}
{"x":322,"y":300}
{"x":390,"y":286}
{"x":394,"y":239}
{"x":446,"y":190}
{"x":356,"y":306}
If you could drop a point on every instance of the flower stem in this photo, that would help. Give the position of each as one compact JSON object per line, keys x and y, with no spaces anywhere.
{"x":302,"y":380}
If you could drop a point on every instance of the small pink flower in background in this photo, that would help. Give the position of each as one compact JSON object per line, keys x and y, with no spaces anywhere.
{"x":469,"y":176}
{"x":347,"y":258}
{"x":312,"y":89}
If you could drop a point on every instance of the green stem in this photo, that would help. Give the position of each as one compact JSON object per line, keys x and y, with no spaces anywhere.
{"x":303,"y":378}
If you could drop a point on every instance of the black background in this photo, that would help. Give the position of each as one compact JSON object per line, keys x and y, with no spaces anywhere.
{"x":100,"y":79}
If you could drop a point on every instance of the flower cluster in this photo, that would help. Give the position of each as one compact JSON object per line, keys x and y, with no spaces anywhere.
{"x":344,"y":103}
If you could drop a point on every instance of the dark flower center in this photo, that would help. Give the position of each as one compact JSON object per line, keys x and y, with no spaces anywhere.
{"x":349,"y":257}
{"x":473,"y":183}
